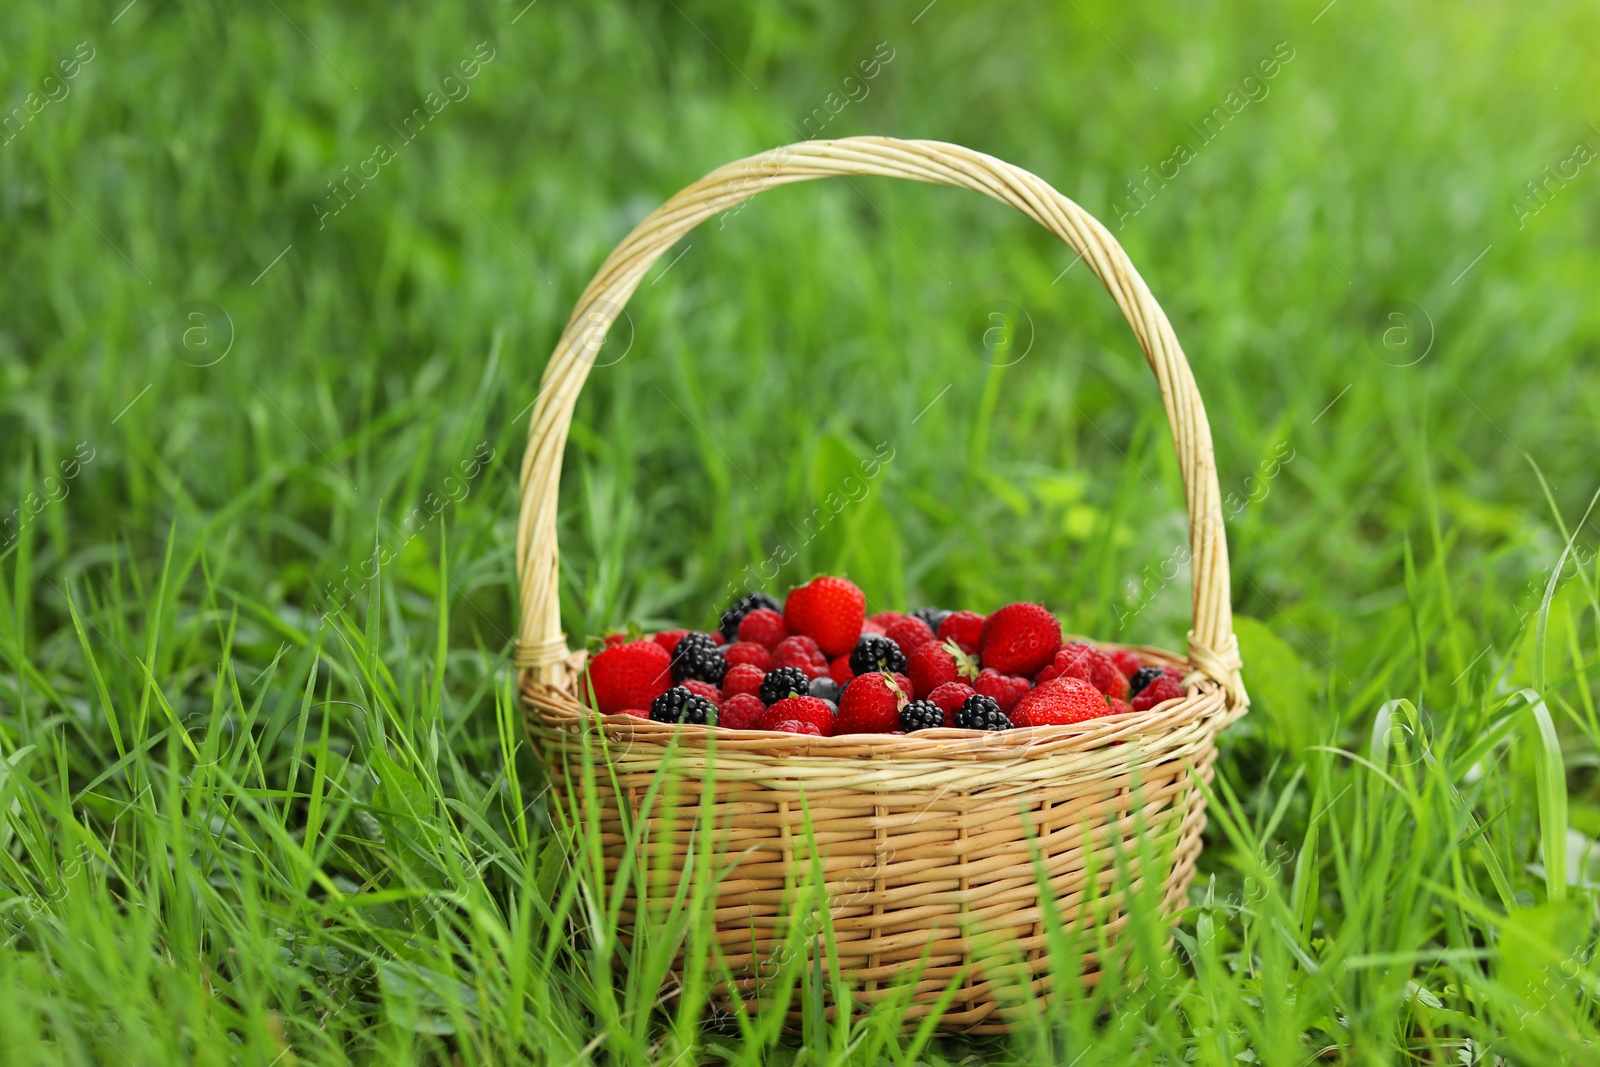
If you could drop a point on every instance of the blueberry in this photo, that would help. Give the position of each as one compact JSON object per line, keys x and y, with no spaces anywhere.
{"x":825,"y":688}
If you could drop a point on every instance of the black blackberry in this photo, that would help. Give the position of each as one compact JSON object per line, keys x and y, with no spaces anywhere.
{"x":922,"y":715}
{"x":981,"y":713}
{"x":699,"y":657}
{"x":932,"y":616}
{"x":875,"y":653}
{"x":825,"y":688}
{"x":784,"y":682}
{"x":1141,"y":678}
{"x":742,"y":607}
{"x":678,"y":705}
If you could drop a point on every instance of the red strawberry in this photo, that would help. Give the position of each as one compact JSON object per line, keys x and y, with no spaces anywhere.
{"x":908,"y":633}
{"x":839,"y":670}
{"x":763,"y":626}
{"x":950,"y":696}
{"x":795,"y":726}
{"x":1057,"y":703}
{"x":886,"y":619}
{"x":1078,"y":660}
{"x":1127,"y":662}
{"x":748,"y":652}
{"x":871,"y":704}
{"x":1006,"y":689}
{"x":1160,"y":691}
{"x":828,"y":610}
{"x":629,"y":675}
{"x":742,"y":678}
{"x":668,"y":639}
{"x":808,"y":710}
{"x":1019,"y":639}
{"x":643,"y":714}
{"x":962,"y":627}
{"x":704,"y":689}
{"x":741,"y":711}
{"x":1120,"y":706}
{"x":933,"y":664}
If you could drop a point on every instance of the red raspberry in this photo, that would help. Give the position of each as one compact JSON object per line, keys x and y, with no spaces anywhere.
{"x":668,"y":639}
{"x":1127,"y":662}
{"x":950,"y":696}
{"x":629,"y":675}
{"x":748,"y":652}
{"x":717,"y":638}
{"x":763,"y":626}
{"x":642,"y":713}
{"x":839,"y":670}
{"x":1072,"y":653}
{"x":829,"y":610}
{"x":1078,"y":660}
{"x":798,"y":648}
{"x":795,"y":726}
{"x":741,"y":711}
{"x":1006,"y":689}
{"x":815,"y":670}
{"x":1019,"y":639}
{"x":908,"y":633}
{"x":962,"y":627}
{"x":703,"y":689}
{"x":615,"y":639}
{"x":871,"y":704}
{"x":886,"y":619}
{"x":798,"y":651}
{"x":742,"y":678}
{"x":870,"y":627}
{"x":1120,"y":706}
{"x":1160,"y":691}
{"x":933,"y":664}
{"x":1057,"y":703}
{"x":809,"y":710}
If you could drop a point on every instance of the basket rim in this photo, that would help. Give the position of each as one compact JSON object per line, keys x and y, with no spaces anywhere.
{"x":560,"y":709}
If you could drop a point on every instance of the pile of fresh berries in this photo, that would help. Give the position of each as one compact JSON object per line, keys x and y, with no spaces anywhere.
{"x":818,"y":664}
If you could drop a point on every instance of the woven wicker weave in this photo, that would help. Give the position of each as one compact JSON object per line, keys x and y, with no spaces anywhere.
{"x":928,"y":841}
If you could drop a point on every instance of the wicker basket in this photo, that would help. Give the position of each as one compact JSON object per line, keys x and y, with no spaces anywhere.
{"x":931,"y":845}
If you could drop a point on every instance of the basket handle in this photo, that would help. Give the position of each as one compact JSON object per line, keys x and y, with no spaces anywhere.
{"x":541,"y":644}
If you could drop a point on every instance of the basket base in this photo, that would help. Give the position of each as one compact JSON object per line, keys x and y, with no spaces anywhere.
{"x":949,"y":858}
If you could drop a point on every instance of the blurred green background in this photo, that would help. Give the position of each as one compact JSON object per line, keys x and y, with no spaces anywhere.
{"x":1381,"y":259}
{"x":1374,"y":175}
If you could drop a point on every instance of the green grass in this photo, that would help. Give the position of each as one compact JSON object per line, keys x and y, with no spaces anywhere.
{"x":264,"y":793}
